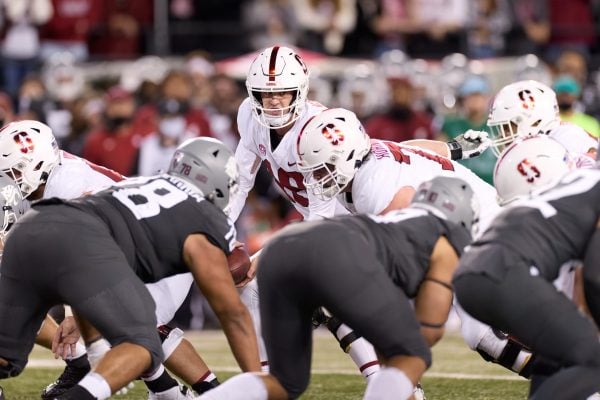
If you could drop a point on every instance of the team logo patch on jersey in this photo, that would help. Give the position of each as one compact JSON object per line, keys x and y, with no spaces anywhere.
{"x":331,"y":133}
{"x":262,"y":149}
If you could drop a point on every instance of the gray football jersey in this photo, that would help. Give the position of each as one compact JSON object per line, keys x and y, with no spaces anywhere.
{"x":550,"y":228}
{"x":150,"y":218}
{"x":404,"y":240}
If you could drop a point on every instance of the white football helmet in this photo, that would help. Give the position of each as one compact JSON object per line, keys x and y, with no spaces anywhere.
{"x":278,"y":69}
{"x":331,"y":147}
{"x":522,"y":109}
{"x":528,"y":164}
{"x":28,"y":153}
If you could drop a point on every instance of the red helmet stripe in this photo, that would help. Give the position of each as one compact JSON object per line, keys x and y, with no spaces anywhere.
{"x":272,"y":62}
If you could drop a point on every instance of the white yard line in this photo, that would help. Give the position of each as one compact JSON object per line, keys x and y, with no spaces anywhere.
{"x":49,"y":363}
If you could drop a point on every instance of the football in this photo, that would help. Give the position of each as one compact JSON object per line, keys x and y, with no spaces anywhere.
{"x":239,"y":263}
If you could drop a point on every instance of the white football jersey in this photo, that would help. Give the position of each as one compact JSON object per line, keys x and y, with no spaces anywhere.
{"x":392,"y":166}
{"x":74,"y":177}
{"x":577,"y":142}
{"x":255,"y":145}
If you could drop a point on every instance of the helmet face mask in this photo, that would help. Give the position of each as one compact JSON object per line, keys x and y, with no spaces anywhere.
{"x":522,"y":109}
{"x":331,"y":147}
{"x":209,"y":166}
{"x":12,"y":204}
{"x":277,"y":70}
{"x":29,"y":154}
{"x":325,"y":181}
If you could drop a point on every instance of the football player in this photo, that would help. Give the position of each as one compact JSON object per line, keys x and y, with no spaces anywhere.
{"x":31,"y":157}
{"x":95,"y":253}
{"x":529,"y":108}
{"x":372,"y":176}
{"x":526,"y":109}
{"x":269,"y":122}
{"x":505,"y":280}
{"x":379,"y":263}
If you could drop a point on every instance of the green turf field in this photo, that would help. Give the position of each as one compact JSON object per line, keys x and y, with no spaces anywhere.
{"x":457,"y":373}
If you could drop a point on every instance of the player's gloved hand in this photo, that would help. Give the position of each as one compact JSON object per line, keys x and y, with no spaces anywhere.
{"x":468,"y":145}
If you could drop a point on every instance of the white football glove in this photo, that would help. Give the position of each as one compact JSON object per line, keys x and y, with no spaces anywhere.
{"x":468,"y":145}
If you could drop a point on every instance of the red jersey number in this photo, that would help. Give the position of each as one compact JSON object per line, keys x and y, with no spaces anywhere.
{"x":400,"y":155}
{"x":292,"y":183}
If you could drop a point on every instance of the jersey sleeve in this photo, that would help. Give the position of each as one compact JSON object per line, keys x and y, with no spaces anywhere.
{"x":73,"y":180}
{"x":376,"y":184}
{"x":246,"y":159}
{"x":218,"y":228}
{"x":576,"y":140}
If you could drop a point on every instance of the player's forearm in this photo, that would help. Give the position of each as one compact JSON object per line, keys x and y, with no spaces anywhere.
{"x":241,"y":336}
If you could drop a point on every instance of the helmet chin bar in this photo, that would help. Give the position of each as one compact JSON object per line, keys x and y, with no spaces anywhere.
{"x":327,"y":187}
{"x":276,"y":121}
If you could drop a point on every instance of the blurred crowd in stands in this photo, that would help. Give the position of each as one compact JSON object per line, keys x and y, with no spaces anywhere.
{"x":423,"y":69}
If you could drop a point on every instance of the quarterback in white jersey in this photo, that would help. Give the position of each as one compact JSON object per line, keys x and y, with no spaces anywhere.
{"x":257,"y":145}
{"x":42,"y":171}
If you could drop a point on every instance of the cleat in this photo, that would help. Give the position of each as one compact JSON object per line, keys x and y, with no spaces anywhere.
{"x":69,"y":378}
{"x":418,"y":393}
{"x":175,"y":393}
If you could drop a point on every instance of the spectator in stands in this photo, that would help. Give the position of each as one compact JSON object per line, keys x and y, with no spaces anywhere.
{"x":70,"y":27}
{"x":571,"y":27}
{"x":177,"y":85}
{"x":116,"y":144}
{"x":270,"y":21}
{"x":156,"y":149}
{"x":488,"y":21}
{"x":123,"y":30}
{"x":473,"y":99}
{"x":32,"y":99}
{"x":325,"y":23}
{"x":442,"y":26}
{"x":530,"y":29}
{"x":20,"y":45}
{"x":568,"y":93}
{"x":401,"y":121}
{"x":87,"y":116}
{"x":7,"y":113}
{"x":391,"y":22}
{"x":227,"y":95}
{"x":199,"y":66}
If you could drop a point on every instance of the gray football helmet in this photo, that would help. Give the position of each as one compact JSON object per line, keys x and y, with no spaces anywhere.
{"x":12,"y":203}
{"x":208,"y":165}
{"x":449,"y":197}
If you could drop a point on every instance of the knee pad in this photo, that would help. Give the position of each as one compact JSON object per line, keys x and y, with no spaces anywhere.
{"x":170,"y":338}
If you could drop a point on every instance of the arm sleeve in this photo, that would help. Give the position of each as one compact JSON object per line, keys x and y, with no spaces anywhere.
{"x":248,"y":163}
